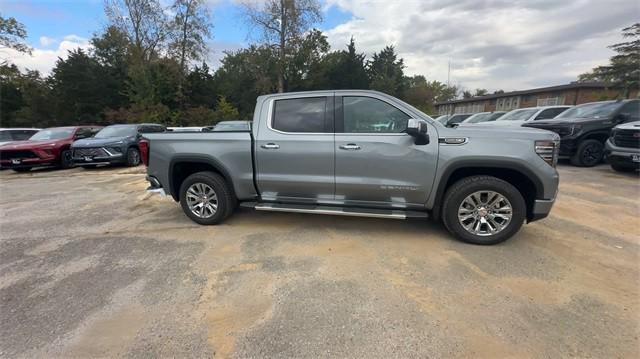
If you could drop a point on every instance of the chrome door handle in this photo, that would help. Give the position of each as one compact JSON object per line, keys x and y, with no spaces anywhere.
{"x":350,"y":146}
{"x":270,"y":146}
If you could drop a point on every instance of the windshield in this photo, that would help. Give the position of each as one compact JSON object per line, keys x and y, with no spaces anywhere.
{"x":494,"y":116}
{"x":457,"y":119}
{"x":478,"y":117}
{"x":443,"y":119}
{"x":597,"y":109}
{"x":117,"y":131}
{"x":53,"y":134}
{"x":518,"y":115}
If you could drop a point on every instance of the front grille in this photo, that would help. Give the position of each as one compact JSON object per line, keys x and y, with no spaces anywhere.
{"x":627,"y":138}
{"x":10,"y":155}
{"x":89,"y":152}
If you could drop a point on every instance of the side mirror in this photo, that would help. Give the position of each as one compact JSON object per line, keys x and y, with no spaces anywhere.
{"x":418,"y":129}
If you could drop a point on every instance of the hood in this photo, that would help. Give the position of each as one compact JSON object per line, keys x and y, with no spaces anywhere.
{"x":98,"y":142}
{"x":497,"y":132}
{"x":30,"y":144}
{"x":629,"y":126}
{"x":568,"y":122}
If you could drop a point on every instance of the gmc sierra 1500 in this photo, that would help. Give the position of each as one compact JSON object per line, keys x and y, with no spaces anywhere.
{"x":360,"y":153}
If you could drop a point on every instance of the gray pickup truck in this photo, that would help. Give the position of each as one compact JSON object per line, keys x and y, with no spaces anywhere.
{"x":360,"y":153}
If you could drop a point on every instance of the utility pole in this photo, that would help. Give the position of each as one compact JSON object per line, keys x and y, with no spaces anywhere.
{"x":449,"y":73}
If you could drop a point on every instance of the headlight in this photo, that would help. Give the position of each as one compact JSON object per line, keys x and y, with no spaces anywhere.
{"x":548,"y":151}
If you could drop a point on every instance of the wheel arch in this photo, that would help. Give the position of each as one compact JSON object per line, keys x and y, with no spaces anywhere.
{"x":522,"y":178}
{"x":181,"y":167}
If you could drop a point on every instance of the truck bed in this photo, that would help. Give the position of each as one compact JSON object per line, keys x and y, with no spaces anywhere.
{"x":230,"y":151}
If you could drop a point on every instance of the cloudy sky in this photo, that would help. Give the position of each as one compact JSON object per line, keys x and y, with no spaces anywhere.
{"x":493,"y":44}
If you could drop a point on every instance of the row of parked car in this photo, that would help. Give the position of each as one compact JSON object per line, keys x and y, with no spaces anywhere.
{"x":589,"y":132}
{"x":22,"y":149}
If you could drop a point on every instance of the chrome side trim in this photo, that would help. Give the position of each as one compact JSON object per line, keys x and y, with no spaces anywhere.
{"x":333,"y":212}
{"x":443,"y":141}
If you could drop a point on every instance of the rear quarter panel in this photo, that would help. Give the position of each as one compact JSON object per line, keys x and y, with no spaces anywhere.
{"x":228,"y":151}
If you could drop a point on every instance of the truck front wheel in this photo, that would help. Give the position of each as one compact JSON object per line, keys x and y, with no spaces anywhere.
{"x":206,"y":198}
{"x":483,"y":210}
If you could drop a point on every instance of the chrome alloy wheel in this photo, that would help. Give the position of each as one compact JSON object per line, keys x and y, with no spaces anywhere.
{"x":485,"y":213}
{"x":202,"y":200}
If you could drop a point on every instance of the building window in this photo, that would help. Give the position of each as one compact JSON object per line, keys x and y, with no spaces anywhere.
{"x":551,"y":101}
{"x":508,"y":103}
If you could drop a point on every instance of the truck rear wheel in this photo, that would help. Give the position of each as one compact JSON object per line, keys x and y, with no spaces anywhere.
{"x":588,"y":154}
{"x":483,"y":210}
{"x":206,"y":198}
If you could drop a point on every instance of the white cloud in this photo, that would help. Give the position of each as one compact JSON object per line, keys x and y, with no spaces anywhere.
{"x":42,"y":59}
{"x":494,"y":44}
{"x":46,"y":41}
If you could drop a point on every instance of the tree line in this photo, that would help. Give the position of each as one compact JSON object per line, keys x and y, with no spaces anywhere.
{"x":147,"y":65}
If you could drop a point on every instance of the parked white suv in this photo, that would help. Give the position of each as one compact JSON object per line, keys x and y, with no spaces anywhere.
{"x":520,"y":116}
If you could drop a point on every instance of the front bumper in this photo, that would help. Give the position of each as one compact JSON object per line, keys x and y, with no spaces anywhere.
{"x":96,"y":155}
{"x":541,"y":209}
{"x":622,"y":156}
{"x":28,"y":163}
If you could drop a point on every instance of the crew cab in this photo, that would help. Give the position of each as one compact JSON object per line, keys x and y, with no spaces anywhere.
{"x":115,"y":144}
{"x":585,"y":128}
{"x":48,"y":147}
{"x":360,"y":153}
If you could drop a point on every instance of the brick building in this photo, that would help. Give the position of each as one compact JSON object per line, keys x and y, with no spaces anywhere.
{"x":574,"y":93}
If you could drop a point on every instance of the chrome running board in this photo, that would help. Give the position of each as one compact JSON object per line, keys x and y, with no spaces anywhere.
{"x":336,"y":211}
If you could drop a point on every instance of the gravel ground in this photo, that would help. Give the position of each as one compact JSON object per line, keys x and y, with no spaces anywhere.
{"x":92,"y":266}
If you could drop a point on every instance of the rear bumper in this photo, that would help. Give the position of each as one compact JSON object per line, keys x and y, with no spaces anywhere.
{"x":155,"y":186}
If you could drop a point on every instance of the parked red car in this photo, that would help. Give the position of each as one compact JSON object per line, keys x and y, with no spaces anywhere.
{"x":48,"y":147}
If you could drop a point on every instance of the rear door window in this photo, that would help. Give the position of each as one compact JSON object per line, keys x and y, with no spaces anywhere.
{"x":306,"y":114}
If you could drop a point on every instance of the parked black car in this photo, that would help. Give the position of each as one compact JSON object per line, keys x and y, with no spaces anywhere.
{"x":623,"y":147}
{"x":583,"y":129}
{"x":115,"y":144}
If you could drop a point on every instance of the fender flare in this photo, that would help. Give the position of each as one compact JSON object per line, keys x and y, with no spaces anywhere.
{"x":484,"y":164}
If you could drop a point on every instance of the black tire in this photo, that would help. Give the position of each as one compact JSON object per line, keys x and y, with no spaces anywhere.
{"x":619,"y":168}
{"x":588,"y":154}
{"x":66,"y":161}
{"x":22,"y":169}
{"x":460,"y":190}
{"x":223,"y":191}
{"x":133,"y":157}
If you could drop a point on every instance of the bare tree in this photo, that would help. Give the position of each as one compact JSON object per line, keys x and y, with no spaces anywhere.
{"x":280,"y":22}
{"x":143,"y":21}
{"x":190,"y":30}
